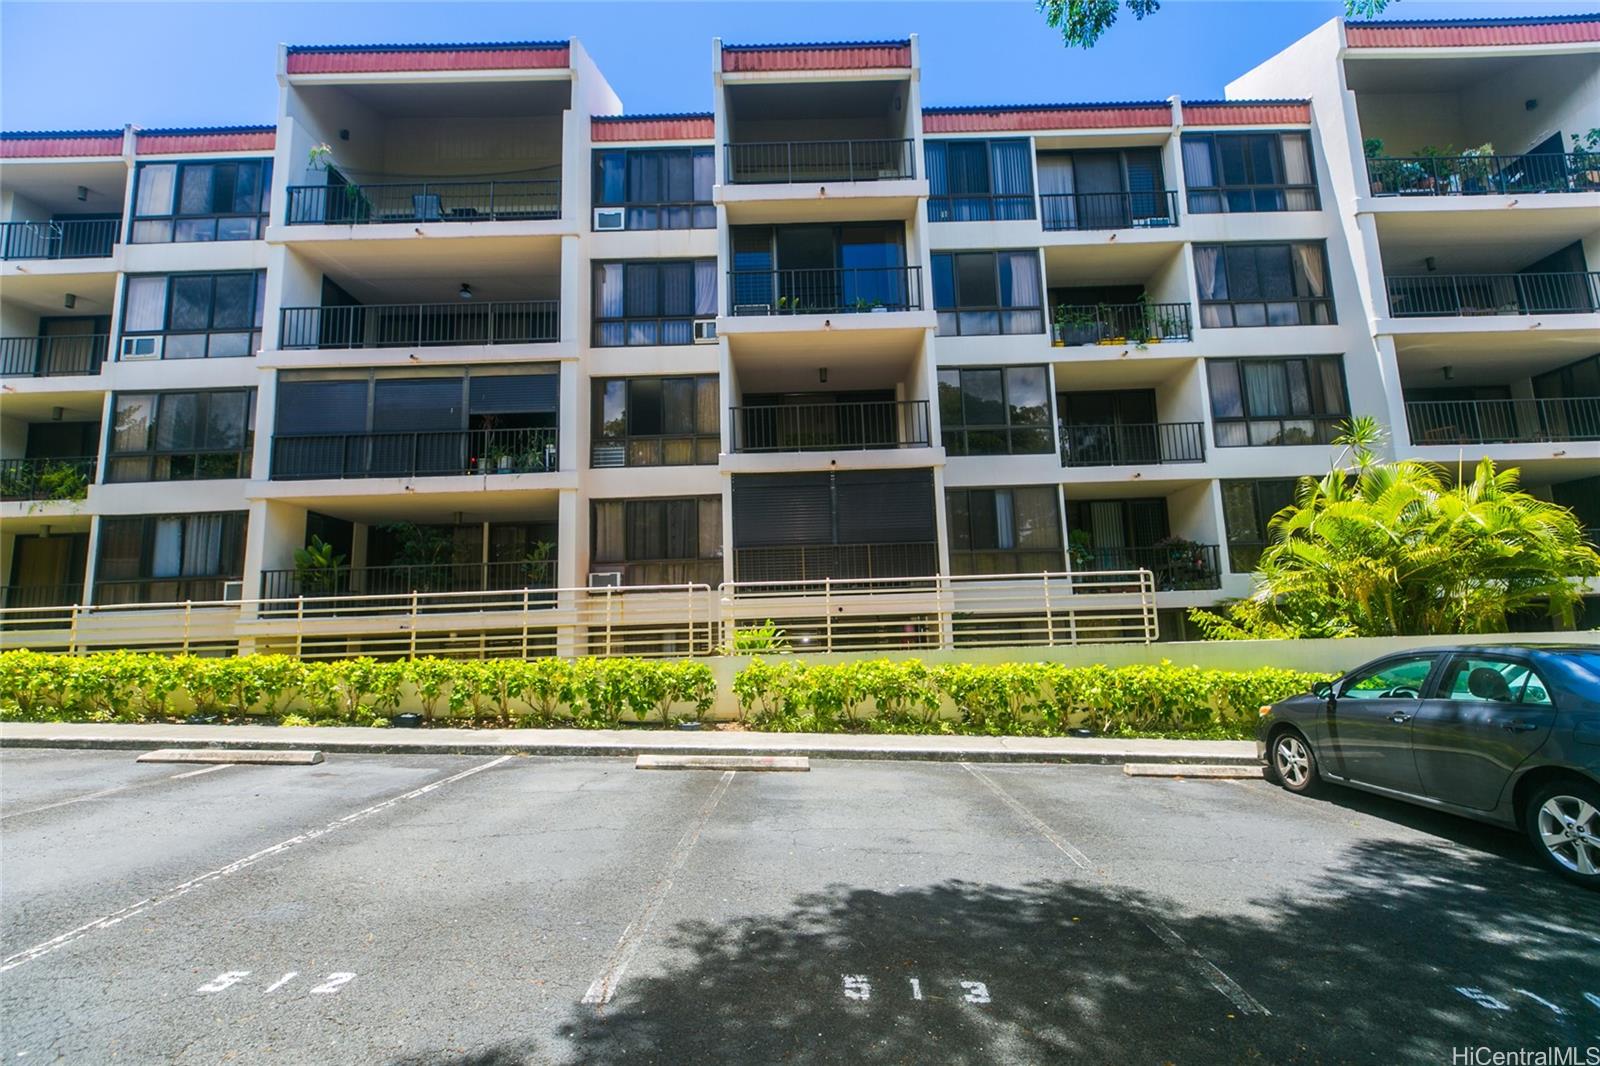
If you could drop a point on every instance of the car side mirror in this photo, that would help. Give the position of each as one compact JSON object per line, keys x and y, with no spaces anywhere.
{"x":1323,"y":690}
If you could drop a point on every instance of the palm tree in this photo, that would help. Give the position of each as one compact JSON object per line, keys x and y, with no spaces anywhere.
{"x":1390,"y":548}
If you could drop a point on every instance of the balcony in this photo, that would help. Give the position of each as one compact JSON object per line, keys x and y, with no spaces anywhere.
{"x":427,"y":201}
{"x":1136,"y":323}
{"x":1523,"y":421}
{"x":47,"y":478}
{"x":825,"y":291}
{"x":420,"y":325}
{"x":1177,"y":566}
{"x":787,"y":162}
{"x":32,"y":597}
{"x":835,"y":562}
{"x":815,"y":427}
{"x":1449,"y":295}
{"x":49,"y":357}
{"x":1133,"y":444}
{"x":1109,"y":210}
{"x":66,"y":239}
{"x":442,"y":453}
{"x":1483,"y":175}
{"x":403,"y":581}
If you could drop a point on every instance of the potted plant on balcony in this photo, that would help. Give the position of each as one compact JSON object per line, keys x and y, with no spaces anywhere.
{"x":1441,"y":169}
{"x":1079,"y":325}
{"x":316,"y":567}
{"x":1080,"y":550}
{"x":1372,"y":148}
{"x":1185,"y":564}
{"x":1584,"y":164}
{"x":1117,"y":329}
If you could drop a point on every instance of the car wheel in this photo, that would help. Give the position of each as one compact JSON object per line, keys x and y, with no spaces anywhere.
{"x":1563,"y":822}
{"x":1293,"y":763}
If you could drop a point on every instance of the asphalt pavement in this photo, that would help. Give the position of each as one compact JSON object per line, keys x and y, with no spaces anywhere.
{"x":495,"y":910}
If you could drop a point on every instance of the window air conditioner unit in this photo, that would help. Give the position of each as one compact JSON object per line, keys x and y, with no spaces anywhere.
{"x":233,"y":591}
{"x":609,"y":218}
{"x":605,"y":579}
{"x":137,"y":348}
{"x":705,"y":331}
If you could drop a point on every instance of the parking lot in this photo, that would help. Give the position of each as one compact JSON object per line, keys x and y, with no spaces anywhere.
{"x":499,"y":910}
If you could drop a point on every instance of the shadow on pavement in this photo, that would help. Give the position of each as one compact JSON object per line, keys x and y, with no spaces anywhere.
{"x":1366,"y":962}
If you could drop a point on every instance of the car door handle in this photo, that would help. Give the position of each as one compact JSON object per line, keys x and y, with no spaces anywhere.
{"x":1519,"y":726}
{"x":1400,"y":717}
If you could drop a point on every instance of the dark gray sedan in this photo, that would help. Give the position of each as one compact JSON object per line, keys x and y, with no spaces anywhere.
{"x":1503,"y":733}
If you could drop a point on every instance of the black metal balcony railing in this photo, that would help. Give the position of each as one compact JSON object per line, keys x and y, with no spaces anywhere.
{"x":91,"y":238}
{"x":440,"y":453}
{"x":981,"y":207}
{"x":810,"y":427}
{"x":1443,"y":295}
{"x":408,"y":325}
{"x":424,"y":201}
{"x":404,"y":580}
{"x":1483,"y":175}
{"x":48,"y":357}
{"x":839,"y":562}
{"x":1123,"y":323}
{"x":1266,"y":432}
{"x":655,"y":449}
{"x":1108,"y":210}
{"x":1176,"y":567}
{"x":1523,"y":421}
{"x":825,"y":291}
{"x":1133,"y":444}
{"x":51,"y":478}
{"x":786,"y":162}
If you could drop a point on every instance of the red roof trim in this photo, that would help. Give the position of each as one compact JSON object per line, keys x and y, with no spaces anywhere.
{"x":1074,"y":118}
{"x":820,"y":57}
{"x":1470,"y":36}
{"x":663,"y":128}
{"x":357,"y":61}
{"x":184,"y":143}
{"x":1245,"y":113}
{"x":57,"y":147}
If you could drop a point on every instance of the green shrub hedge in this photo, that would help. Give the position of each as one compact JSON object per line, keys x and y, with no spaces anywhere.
{"x":779,"y":694}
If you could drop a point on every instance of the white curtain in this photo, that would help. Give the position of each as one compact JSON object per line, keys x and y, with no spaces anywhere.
{"x":146,"y":311}
{"x":167,"y":559}
{"x":1005,"y":523}
{"x":705,"y":288}
{"x":1310,"y":258}
{"x":1056,"y":187}
{"x":202,"y":545}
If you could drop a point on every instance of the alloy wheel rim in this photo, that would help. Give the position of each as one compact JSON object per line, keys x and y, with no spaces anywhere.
{"x":1569,"y":827}
{"x":1294,"y":762}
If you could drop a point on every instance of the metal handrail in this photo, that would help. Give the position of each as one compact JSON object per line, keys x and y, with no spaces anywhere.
{"x":1135,"y":322}
{"x":1508,"y":421}
{"x":825,"y":290}
{"x":848,"y":426}
{"x":426,"y":453}
{"x":424,"y":201}
{"x":1445,"y":295}
{"x":90,"y":238}
{"x":1133,"y":443}
{"x":772,"y":564}
{"x":786,"y":162}
{"x":26,"y":479}
{"x":407,"y":325}
{"x":54,"y":356}
{"x":1108,"y":210}
{"x":1176,"y":567}
{"x":1484,"y":175}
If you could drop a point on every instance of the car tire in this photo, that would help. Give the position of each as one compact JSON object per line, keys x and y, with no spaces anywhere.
{"x":1562,"y":820}
{"x":1292,"y":763}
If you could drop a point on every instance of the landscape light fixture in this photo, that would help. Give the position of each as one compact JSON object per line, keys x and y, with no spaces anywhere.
{"x":70,"y":300}
{"x":466,"y":291}
{"x":83,"y":192}
{"x":1430,"y":264}
{"x":822,"y":374}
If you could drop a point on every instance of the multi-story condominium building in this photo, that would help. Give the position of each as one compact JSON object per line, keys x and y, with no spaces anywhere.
{"x":496,"y":341}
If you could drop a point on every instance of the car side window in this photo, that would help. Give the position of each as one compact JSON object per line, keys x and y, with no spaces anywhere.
{"x":1478,"y":680}
{"x":1396,"y":679}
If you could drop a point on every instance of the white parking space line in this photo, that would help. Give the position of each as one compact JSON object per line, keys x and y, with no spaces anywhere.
{"x":1207,"y":969}
{"x":202,"y":770}
{"x":177,"y":891}
{"x":605,"y":986}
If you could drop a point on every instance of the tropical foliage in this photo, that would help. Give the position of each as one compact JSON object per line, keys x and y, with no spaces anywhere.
{"x":1378,"y":549}
{"x":1082,"y":22}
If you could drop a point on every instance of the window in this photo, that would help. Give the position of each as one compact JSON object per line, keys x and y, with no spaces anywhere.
{"x":169,"y":558}
{"x":198,"y":316}
{"x":655,"y":422}
{"x":658,"y":188}
{"x":1258,"y":402}
{"x":1396,"y":679}
{"x":1230,"y":172}
{"x":1104,"y":189}
{"x":658,"y":542}
{"x":1004,"y":531}
{"x":979,"y":181}
{"x":847,"y":524}
{"x":181,"y":436}
{"x":979,"y":293}
{"x":1247,"y":511}
{"x":998,"y":411}
{"x":1474,"y":680}
{"x":1263,"y":284}
{"x":654,"y":302}
{"x":822,"y":269}
{"x":215,"y":201}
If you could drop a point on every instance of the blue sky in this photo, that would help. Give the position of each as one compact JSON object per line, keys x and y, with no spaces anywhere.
{"x":68,"y":65}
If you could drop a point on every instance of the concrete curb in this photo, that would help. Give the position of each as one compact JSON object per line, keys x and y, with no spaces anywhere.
{"x":234,"y":756}
{"x":775,"y":763}
{"x":1101,"y":754}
